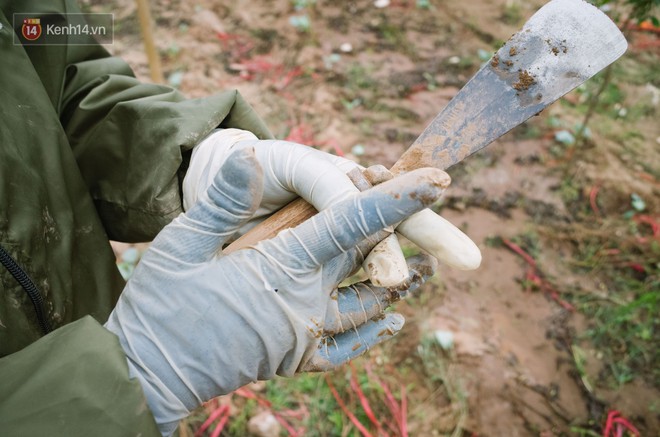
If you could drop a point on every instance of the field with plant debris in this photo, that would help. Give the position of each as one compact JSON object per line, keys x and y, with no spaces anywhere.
{"x":557,"y":333}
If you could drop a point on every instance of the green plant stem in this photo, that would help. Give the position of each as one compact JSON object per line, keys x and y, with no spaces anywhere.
{"x":607,"y":78}
{"x":593,"y":103}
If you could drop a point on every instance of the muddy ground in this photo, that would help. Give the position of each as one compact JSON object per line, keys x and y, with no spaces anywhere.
{"x":353,"y":78}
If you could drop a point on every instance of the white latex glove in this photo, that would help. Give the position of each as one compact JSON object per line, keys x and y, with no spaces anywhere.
{"x":292,"y":170}
{"x":196,"y":324}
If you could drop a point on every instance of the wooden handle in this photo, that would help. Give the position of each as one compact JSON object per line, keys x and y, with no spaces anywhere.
{"x":144,"y":14}
{"x":291,"y":215}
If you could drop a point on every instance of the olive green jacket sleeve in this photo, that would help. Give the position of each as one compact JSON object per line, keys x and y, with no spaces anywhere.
{"x":130,"y":139}
{"x":72,"y":382}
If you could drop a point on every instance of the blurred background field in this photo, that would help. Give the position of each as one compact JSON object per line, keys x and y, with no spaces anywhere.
{"x":557,"y":332}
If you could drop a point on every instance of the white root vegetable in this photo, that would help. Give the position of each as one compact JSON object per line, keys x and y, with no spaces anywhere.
{"x":385,"y":264}
{"x":441,"y":239}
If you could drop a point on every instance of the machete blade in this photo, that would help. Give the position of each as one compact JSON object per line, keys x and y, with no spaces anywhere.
{"x":565,"y":43}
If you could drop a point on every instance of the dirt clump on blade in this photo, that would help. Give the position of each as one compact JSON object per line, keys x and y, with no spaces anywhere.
{"x":525,"y":80}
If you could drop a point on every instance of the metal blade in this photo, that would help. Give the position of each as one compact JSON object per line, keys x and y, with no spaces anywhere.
{"x":565,"y":43}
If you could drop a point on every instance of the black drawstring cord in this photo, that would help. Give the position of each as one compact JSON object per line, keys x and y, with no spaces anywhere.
{"x":32,"y":291}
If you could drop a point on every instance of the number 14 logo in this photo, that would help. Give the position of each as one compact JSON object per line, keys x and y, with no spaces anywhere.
{"x":31,"y":29}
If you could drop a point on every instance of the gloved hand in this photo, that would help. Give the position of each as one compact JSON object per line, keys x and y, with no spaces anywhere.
{"x":196,"y":324}
{"x":292,"y":170}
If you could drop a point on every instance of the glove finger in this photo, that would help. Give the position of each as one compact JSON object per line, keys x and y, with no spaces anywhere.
{"x":356,"y":304}
{"x":337,"y":229}
{"x":336,"y":351}
{"x":207,"y":159}
{"x":385,"y":264}
{"x":441,"y":239}
{"x":317,"y":177}
{"x":228,"y":203}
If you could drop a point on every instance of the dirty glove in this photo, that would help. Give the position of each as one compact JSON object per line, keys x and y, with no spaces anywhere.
{"x":292,"y":170}
{"x":195,"y":324}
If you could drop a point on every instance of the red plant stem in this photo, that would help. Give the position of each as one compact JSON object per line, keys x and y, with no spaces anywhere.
{"x":629,"y":426}
{"x":335,"y":146}
{"x":288,"y":78}
{"x":655,"y":226}
{"x":393,"y":427}
{"x":221,"y":425}
{"x":222,"y":36}
{"x":649,"y":178}
{"x":404,"y":412}
{"x":645,"y":26}
{"x":301,"y":134}
{"x":249,"y":394}
{"x":607,"y":431}
{"x":212,"y":417}
{"x":517,"y":249}
{"x":592,"y":199}
{"x":555,"y":296}
{"x":363,"y":399}
{"x":636,"y":267}
{"x":354,"y":420}
{"x":292,"y":432}
{"x":299,"y":414}
{"x":534,"y":277}
{"x":614,"y":418}
{"x":390,"y":401}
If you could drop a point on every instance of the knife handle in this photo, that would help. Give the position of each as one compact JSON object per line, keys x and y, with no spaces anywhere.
{"x":289,"y":216}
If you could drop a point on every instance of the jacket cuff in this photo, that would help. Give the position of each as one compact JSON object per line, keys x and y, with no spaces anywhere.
{"x":74,"y":381}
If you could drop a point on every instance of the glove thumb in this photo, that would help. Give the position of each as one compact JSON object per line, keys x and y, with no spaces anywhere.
{"x":229,"y":202}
